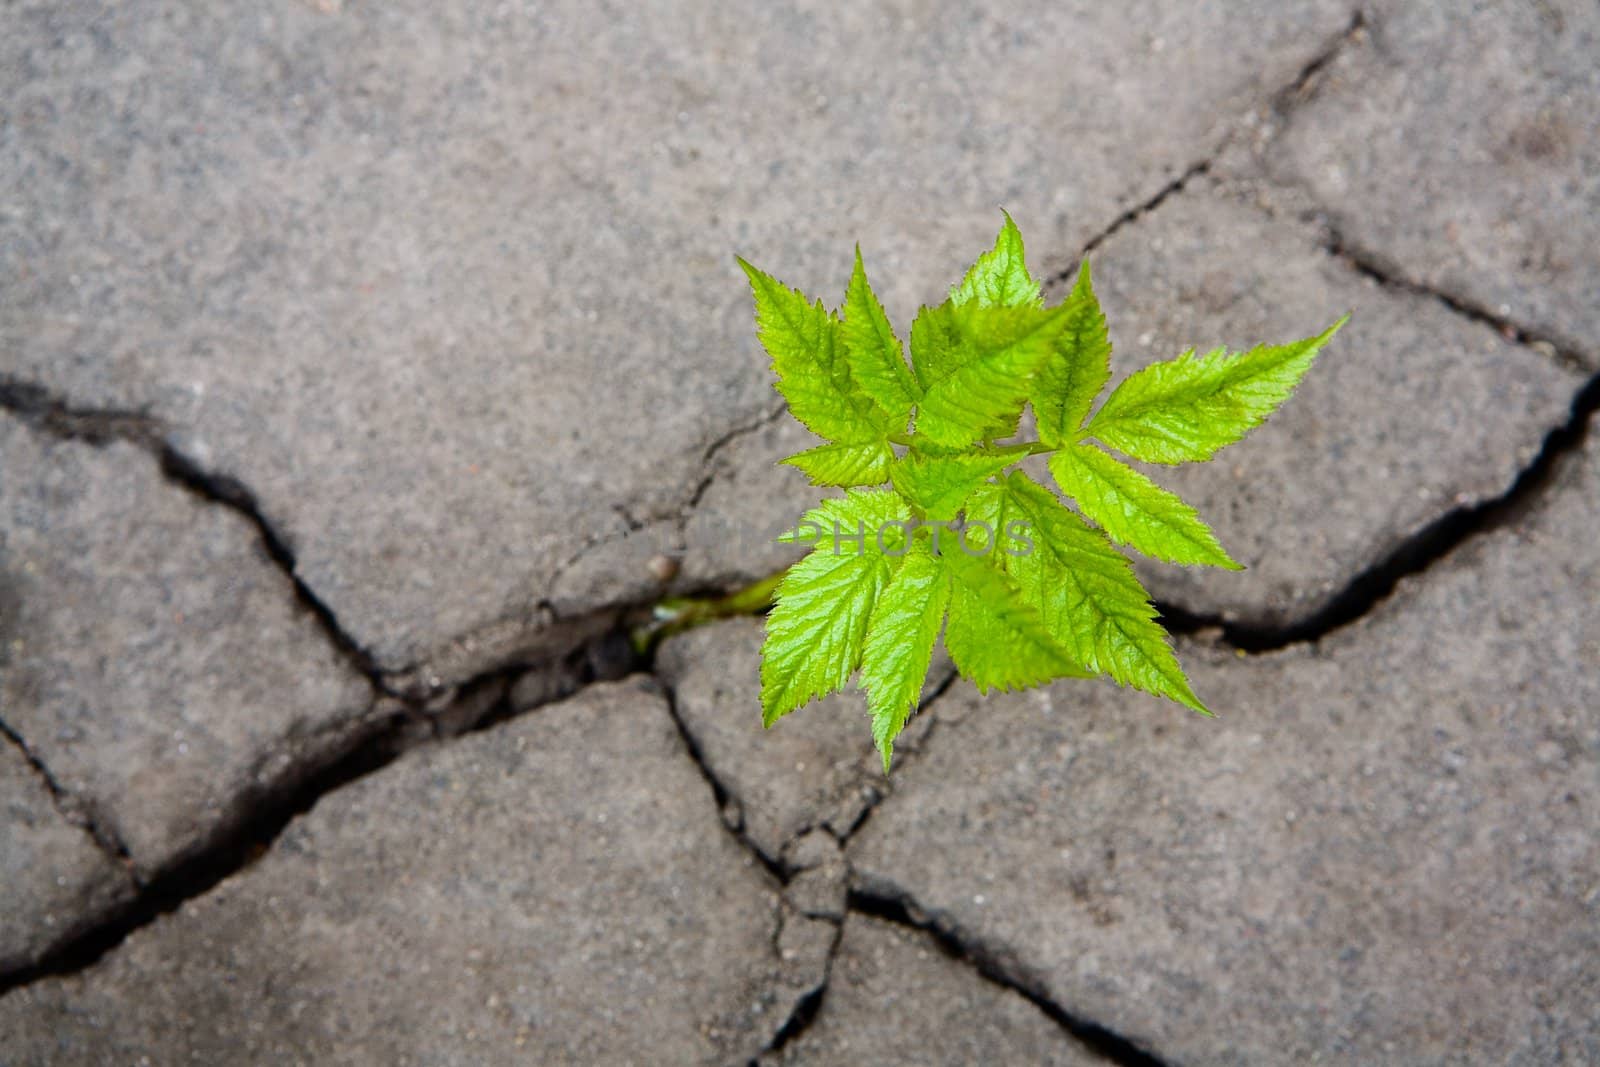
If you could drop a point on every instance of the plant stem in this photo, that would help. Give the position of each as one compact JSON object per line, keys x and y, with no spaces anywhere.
{"x":678,"y":614}
{"x":1025,"y":448}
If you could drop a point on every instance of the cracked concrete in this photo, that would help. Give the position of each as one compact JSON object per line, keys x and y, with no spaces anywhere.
{"x":895,"y":999}
{"x":1384,"y":848}
{"x":616,"y":919}
{"x":1372,"y":447}
{"x":1463,"y":154}
{"x":155,"y":663}
{"x":222,"y":219}
{"x":331,"y":476}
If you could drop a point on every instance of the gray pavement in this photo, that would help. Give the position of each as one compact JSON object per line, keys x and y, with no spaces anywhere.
{"x":364,"y":368}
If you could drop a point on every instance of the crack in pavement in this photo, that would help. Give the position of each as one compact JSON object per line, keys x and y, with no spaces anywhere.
{"x":1282,"y":101}
{"x":729,"y":810}
{"x":1302,"y":87}
{"x":57,"y":417}
{"x":809,"y":1006}
{"x":1139,"y":211}
{"x":232,"y":849}
{"x":1371,"y":265}
{"x":686,"y":510}
{"x":389,"y":730}
{"x":902,"y":910}
{"x":1415,"y":554}
{"x":386,"y":733}
{"x":71,"y":808}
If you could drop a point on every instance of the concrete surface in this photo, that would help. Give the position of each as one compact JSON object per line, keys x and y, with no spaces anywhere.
{"x":557,"y":890}
{"x":1384,"y":849}
{"x":361,"y":366}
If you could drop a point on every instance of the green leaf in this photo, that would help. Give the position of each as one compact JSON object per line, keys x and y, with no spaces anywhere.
{"x":1000,"y":277}
{"x":939,"y":485}
{"x":876,"y":360}
{"x":1185,"y":409}
{"x":974,"y":363}
{"x":1134,"y":510}
{"x":1078,"y":368}
{"x":1085,"y":590}
{"x":845,"y":463}
{"x":822,"y":606}
{"x":807,"y":353}
{"x":996,"y":638}
{"x":899,"y":645}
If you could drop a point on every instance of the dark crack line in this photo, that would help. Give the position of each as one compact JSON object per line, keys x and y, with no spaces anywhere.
{"x":799,"y":1021}
{"x":386,"y":732}
{"x":809,"y":1005}
{"x":720,"y":793}
{"x":1139,"y":211}
{"x":766,"y":419}
{"x":352,"y":750}
{"x":902,"y":911}
{"x":880,"y":795}
{"x":1285,"y":100}
{"x":1282,"y":100}
{"x":1417,"y":553}
{"x":263,"y":818}
{"x":56,"y":417}
{"x":34,"y":404}
{"x":715,"y":448}
{"x":378,"y":743}
{"x":1371,"y":266}
{"x":229,"y":492}
{"x":74,"y":811}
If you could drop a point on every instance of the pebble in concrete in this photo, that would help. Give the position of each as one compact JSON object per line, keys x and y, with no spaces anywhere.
{"x":555,"y":890}
{"x":1385,"y":849}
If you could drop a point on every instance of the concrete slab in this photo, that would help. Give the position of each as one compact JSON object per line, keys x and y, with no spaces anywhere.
{"x":1462,"y":151}
{"x":155,"y":660}
{"x":1411,"y":411}
{"x":453,"y":292}
{"x":893,"y":998}
{"x":555,"y":890}
{"x":54,"y":874}
{"x":1383,"y":850}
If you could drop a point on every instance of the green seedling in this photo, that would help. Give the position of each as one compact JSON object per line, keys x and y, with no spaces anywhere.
{"x":938,"y":532}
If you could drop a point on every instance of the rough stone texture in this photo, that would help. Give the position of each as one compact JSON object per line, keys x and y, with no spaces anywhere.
{"x":814,"y":768}
{"x":151,"y":656}
{"x":452,"y":290}
{"x":819,"y":877}
{"x":1462,"y":149}
{"x":1411,"y":410}
{"x":894,"y":998}
{"x":730,"y":538}
{"x":449,"y":290}
{"x":54,"y":874}
{"x":555,"y":890}
{"x":1385,"y":850}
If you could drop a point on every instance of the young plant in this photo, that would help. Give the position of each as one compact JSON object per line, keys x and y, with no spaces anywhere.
{"x":953,"y":538}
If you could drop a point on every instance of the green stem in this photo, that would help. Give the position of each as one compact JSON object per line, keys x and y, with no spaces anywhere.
{"x":1025,"y":448}
{"x":678,"y":614}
